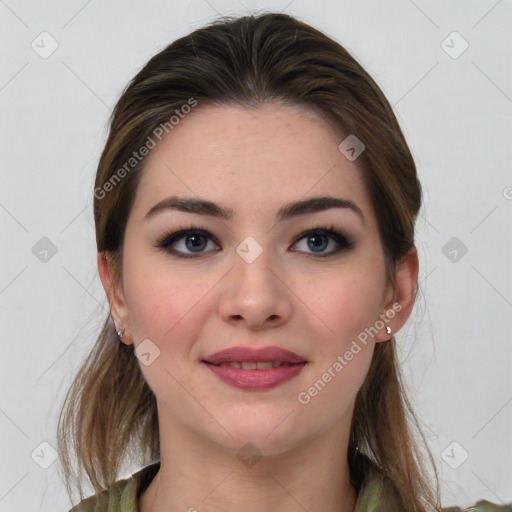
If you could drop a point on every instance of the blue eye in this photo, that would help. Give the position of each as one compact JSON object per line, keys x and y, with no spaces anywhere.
{"x":196,"y":240}
{"x":192,"y":239}
{"x":318,"y":239}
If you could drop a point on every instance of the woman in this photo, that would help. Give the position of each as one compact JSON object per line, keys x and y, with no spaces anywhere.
{"x":254,"y":206}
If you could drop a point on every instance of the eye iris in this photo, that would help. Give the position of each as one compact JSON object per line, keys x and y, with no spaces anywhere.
{"x":197,"y":244}
{"x":320,"y":242}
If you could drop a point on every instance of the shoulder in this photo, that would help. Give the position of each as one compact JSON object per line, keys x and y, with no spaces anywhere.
{"x":121,"y":496}
{"x":482,"y":506}
{"x":378,"y":493}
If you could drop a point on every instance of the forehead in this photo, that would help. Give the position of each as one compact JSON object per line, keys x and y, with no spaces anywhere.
{"x":251,"y":160}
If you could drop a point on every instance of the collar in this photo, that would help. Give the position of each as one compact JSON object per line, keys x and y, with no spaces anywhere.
{"x":375,"y":492}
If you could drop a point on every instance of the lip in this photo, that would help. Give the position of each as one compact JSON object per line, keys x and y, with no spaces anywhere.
{"x":255,"y":380}
{"x":249,"y":354}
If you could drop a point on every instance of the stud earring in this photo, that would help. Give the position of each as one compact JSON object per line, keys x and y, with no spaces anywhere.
{"x":120,"y":334}
{"x":388,"y":329}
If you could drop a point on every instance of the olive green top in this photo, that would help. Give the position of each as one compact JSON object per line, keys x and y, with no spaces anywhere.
{"x":375,"y":492}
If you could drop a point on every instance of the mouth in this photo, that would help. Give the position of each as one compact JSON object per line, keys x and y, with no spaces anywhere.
{"x":273,"y":355}
{"x":256,"y":365}
{"x":255,"y":369}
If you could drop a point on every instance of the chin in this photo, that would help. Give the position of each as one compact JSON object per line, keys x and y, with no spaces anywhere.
{"x":272,"y":432}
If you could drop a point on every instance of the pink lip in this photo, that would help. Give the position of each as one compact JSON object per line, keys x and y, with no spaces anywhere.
{"x":255,"y":380}
{"x":272,"y":353}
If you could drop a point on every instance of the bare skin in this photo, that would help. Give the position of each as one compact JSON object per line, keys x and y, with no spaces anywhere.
{"x":254,"y":162}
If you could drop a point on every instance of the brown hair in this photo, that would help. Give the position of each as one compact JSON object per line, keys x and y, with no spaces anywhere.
{"x":110,"y":413}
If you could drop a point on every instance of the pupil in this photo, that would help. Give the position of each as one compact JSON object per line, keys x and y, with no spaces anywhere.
{"x":321,"y":241}
{"x":197,"y":244}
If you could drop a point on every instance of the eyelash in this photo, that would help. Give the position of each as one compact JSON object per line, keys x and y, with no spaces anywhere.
{"x":168,"y":239}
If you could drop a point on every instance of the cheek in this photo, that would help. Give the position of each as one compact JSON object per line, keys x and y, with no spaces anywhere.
{"x":347,"y":302}
{"x":162,"y":302}
{"x":344,"y":350}
{"x":166,"y":308}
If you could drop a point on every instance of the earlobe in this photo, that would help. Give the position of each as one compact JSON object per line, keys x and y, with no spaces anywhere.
{"x":386,"y":332}
{"x":397,"y":311}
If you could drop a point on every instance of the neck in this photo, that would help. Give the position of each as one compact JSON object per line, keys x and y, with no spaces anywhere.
{"x":196,"y":475}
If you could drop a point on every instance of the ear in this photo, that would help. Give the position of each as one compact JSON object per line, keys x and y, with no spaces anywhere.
{"x":115,"y":294}
{"x":401,"y":294}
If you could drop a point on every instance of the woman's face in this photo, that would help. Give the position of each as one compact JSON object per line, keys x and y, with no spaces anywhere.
{"x":252,"y":280}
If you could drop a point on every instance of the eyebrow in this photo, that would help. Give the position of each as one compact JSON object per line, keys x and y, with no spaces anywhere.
{"x":293,"y":209}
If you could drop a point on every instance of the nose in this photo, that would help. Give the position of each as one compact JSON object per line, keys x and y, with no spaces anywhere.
{"x":256,"y":294}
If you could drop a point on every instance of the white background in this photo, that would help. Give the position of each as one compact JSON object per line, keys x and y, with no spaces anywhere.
{"x":455,"y":113}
